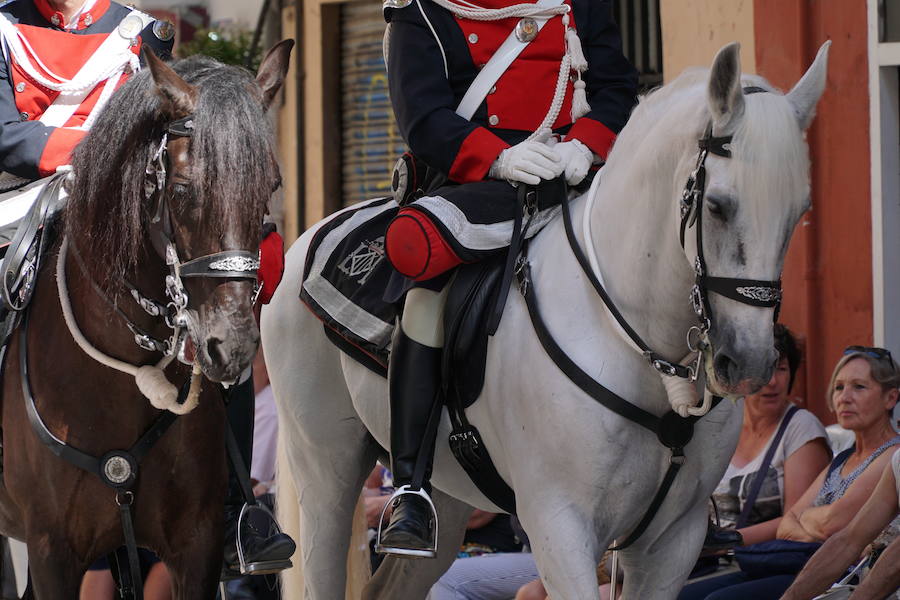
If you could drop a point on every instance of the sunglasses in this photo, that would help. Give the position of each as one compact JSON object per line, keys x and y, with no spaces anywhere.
{"x":877,"y":353}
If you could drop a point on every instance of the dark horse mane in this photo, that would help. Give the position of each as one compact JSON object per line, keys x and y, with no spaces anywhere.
{"x":232,"y":156}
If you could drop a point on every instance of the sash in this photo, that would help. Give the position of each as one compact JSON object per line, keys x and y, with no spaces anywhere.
{"x":497,"y":66}
{"x":107,"y":63}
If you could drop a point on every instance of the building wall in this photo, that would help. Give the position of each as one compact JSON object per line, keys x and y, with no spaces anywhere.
{"x":693,"y":30}
{"x":221,"y":12}
{"x":827,"y":277}
{"x":828,"y":272}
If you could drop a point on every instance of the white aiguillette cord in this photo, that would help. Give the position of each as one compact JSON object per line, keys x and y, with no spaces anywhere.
{"x":150,"y":379}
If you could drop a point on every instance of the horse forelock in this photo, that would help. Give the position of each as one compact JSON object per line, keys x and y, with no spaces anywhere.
{"x":231,"y":153}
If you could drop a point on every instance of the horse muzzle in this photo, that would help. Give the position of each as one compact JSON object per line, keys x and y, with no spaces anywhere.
{"x":735,"y":370}
{"x":226,"y":336}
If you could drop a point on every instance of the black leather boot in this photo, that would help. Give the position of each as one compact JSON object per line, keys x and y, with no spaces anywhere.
{"x":262,"y":545}
{"x":414,"y":377}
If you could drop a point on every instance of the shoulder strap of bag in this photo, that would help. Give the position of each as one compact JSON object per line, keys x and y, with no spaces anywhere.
{"x":497,"y":66}
{"x":763,"y":469}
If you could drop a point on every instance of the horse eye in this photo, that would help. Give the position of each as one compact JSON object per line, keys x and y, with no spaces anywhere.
{"x":716,"y":208}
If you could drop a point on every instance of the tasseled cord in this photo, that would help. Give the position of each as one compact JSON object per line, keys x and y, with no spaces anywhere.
{"x":578,"y":62}
{"x":150,"y":379}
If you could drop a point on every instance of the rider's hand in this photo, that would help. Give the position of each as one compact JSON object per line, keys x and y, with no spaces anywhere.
{"x":528,"y":162}
{"x":577,"y":159}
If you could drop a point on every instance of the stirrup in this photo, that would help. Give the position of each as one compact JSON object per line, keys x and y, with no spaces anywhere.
{"x":259,"y":567}
{"x":430,"y":552}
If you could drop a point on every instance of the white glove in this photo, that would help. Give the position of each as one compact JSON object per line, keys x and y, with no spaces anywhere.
{"x":577,"y":159}
{"x":527,"y":162}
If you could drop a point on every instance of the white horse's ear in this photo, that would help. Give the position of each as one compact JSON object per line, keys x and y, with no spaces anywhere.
{"x":726,"y":99}
{"x":806,"y":93}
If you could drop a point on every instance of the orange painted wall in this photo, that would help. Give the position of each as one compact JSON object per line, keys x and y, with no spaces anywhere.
{"x":828,"y":273}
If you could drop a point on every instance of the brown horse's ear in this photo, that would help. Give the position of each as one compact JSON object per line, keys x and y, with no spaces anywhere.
{"x":273,"y":70}
{"x":178,"y":97}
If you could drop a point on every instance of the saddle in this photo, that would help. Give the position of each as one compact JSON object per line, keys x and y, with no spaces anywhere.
{"x":344,"y":283}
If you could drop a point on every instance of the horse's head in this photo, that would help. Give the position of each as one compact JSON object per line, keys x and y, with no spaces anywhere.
{"x":735,"y":233}
{"x":208,"y":185}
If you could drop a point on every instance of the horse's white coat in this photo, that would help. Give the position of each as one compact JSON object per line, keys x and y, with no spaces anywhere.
{"x":583,"y":476}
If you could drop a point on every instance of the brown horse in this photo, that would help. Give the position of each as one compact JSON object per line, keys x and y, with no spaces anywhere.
{"x":180,"y":162}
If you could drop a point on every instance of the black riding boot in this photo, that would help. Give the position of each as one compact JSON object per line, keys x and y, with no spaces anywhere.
{"x":414,"y":379}
{"x":264,"y":548}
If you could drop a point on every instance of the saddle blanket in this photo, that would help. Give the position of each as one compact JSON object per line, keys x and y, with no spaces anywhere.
{"x":346,"y":274}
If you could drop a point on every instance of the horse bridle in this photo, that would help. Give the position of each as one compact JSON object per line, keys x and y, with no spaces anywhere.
{"x":754,"y":292}
{"x":228,"y":264}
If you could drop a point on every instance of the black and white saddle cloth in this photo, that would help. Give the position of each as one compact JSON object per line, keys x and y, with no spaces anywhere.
{"x":344,"y":280}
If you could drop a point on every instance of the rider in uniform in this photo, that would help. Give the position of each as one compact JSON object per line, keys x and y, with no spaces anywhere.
{"x":79,"y":51}
{"x":570,"y":77}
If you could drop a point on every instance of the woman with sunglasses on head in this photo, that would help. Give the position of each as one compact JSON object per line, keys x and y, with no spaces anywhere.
{"x":862,"y":393}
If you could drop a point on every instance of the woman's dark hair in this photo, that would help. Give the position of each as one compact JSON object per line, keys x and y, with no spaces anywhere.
{"x":787,"y":348}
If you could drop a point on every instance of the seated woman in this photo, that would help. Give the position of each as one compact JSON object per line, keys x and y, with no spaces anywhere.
{"x":801,"y":452}
{"x":862,"y":393}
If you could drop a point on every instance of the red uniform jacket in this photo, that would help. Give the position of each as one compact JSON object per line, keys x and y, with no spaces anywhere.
{"x":28,"y":148}
{"x":425,"y":99}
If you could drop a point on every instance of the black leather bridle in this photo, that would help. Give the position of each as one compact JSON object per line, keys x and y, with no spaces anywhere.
{"x":229,"y":264}
{"x":754,"y":292}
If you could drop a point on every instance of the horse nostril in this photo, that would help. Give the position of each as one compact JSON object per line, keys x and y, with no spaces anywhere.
{"x":724,"y":366}
{"x":214,"y":350}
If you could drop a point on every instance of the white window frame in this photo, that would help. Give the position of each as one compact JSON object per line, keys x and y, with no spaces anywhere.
{"x":884,"y":128}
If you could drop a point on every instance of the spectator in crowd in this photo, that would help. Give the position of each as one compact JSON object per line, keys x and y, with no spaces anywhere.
{"x":862,"y":393}
{"x":845,"y":547}
{"x":98,"y":582}
{"x":490,"y":564}
{"x":800,"y":453}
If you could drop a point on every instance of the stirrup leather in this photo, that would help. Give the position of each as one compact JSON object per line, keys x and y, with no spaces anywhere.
{"x":258,"y":567}
{"x":429,"y":552}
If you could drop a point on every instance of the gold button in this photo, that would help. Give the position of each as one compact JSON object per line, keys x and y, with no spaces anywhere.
{"x":20,"y":87}
{"x":24,"y":116}
{"x":493,"y":119}
{"x":473,"y":38}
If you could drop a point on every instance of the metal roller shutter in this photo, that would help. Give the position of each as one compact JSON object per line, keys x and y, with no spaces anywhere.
{"x":371,"y":142}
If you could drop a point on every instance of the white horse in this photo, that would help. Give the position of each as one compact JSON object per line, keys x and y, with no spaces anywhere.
{"x":583,"y":476}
